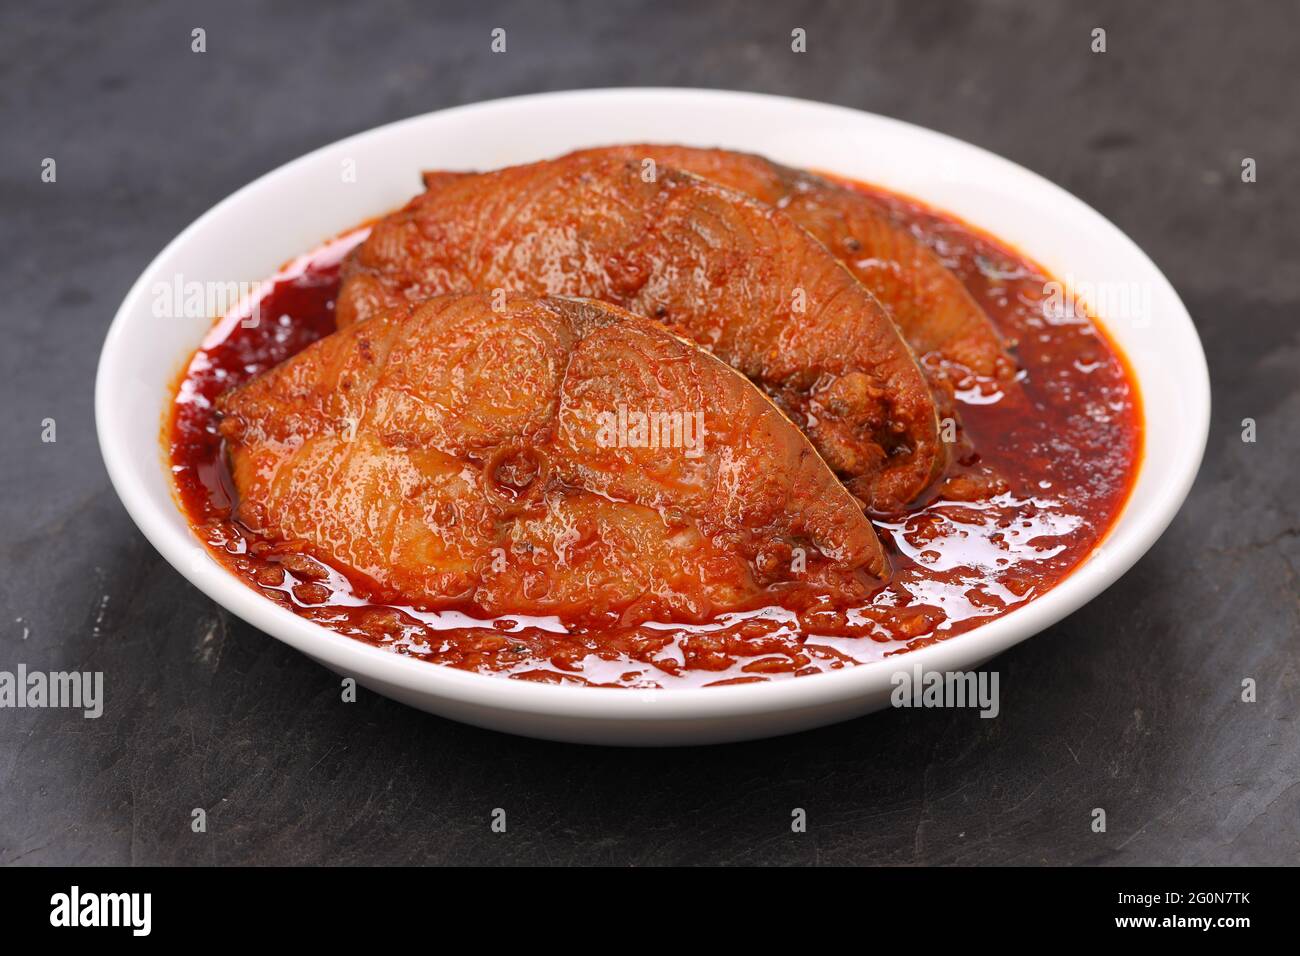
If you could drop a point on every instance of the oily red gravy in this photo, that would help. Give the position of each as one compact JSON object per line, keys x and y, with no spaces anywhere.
{"x":1067,"y":441}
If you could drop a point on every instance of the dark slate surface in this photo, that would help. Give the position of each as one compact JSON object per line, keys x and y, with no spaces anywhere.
{"x":1132,"y":704}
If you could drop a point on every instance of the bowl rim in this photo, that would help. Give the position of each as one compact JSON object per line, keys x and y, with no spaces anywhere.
{"x":965,"y":651}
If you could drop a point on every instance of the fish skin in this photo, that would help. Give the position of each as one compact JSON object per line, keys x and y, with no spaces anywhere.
{"x":407,"y":448}
{"x":735,"y":275}
{"x":937,"y":315}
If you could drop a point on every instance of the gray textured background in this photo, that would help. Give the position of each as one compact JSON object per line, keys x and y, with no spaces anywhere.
{"x":1131,"y":704}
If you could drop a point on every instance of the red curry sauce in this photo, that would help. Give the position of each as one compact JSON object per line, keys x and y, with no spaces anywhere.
{"x":1068,"y":442}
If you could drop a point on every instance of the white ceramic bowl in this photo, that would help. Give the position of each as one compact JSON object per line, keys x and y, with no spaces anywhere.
{"x":291,"y":210}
